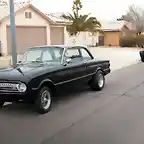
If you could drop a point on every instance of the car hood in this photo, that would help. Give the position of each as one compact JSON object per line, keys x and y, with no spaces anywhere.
{"x":22,"y":72}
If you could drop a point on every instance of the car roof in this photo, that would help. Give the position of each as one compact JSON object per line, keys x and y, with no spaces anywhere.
{"x":59,"y":46}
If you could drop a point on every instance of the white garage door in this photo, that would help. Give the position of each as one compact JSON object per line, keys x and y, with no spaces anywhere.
{"x":57,"y":35}
{"x":27,"y":37}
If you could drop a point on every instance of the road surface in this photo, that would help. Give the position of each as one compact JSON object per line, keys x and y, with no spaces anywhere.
{"x":112,"y":116}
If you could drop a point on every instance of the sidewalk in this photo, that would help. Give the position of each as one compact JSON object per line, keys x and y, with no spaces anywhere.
{"x":6,"y":61}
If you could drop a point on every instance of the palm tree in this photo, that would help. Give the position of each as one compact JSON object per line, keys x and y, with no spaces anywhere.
{"x":81,"y":23}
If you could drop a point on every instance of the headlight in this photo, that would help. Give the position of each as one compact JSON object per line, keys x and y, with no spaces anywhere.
{"x":22,"y":87}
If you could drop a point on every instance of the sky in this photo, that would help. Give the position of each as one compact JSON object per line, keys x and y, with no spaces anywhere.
{"x":102,"y":9}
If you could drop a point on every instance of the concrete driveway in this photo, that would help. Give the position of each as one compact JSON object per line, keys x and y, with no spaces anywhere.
{"x":119,"y":57}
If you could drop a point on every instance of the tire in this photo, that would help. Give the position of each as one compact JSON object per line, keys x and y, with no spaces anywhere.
{"x":98,"y":81}
{"x":142,"y":59}
{"x":44,"y":94}
{"x":1,"y":104}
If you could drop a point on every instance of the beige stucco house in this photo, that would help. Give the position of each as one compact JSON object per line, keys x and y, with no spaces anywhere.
{"x":33,"y":28}
{"x":113,"y":31}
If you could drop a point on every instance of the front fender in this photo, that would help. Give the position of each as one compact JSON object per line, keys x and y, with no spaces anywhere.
{"x":42,"y":82}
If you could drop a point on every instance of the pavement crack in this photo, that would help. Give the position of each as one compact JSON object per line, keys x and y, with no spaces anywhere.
{"x":96,"y":110}
{"x":125,"y":93}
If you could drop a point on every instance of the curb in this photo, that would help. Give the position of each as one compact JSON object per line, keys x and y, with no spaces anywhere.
{"x":136,"y":62}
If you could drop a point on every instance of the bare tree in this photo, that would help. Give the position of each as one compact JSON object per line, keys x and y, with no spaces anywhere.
{"x":135,"y":15}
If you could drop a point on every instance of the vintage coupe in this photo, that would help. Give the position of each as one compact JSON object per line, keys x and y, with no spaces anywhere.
{"x":44,"y":69}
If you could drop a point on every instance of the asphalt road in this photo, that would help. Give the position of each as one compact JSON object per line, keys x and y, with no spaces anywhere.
{"x":112,"y":116}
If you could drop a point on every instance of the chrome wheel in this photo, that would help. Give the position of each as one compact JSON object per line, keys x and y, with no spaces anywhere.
{"x":46,"y":99}
{"x":100,"y":80}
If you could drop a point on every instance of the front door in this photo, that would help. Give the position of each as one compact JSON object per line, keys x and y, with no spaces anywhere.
{"x":101,"y":41}
{"x":74,"y":71}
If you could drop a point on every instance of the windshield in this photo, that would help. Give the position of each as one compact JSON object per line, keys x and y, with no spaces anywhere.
{"x":44,"y":54}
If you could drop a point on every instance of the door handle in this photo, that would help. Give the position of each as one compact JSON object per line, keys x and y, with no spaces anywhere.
{"x":85,"y":62}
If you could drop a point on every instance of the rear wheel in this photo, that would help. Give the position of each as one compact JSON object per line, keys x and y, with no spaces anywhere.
{"x":43,"y":101}
{"x":98,"y":81}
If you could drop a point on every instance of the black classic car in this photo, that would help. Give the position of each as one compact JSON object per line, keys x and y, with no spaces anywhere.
{"x":44,"y":69}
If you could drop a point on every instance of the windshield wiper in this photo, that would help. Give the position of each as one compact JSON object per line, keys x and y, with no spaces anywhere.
{"x":34,"y":61}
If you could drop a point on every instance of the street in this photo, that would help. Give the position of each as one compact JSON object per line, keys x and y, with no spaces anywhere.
{"x":112,"y":116}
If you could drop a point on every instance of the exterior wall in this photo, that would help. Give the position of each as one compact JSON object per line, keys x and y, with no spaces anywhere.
{"x":83,"y":38}
{"x":111,"y":38}
{"x":20,"y":20}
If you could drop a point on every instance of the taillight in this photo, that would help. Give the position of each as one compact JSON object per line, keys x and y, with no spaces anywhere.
{"x":108,"y":64}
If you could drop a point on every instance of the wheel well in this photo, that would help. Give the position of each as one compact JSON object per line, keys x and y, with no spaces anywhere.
{"x":50,"y":85}
{"x":99,"y":69}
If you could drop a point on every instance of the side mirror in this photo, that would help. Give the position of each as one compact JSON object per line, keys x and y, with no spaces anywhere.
{"x":19,"y":61}
{"x":68,"y":60}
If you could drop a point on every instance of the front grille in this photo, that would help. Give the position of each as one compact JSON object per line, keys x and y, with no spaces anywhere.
{"x":8,"y":86}
{"x":7,"y":89}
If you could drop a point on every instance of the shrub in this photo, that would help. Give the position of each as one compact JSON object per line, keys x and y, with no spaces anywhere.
{"x":140,"y":40}
{"x":128,"y":41}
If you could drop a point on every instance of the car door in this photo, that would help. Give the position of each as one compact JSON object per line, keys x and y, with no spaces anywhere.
{"x":91,"y":66}
{"x":74,"y":71}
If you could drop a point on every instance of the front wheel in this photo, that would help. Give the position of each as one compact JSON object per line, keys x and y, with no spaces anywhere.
{"x":98,"y":81}
{"x":43,"y":101}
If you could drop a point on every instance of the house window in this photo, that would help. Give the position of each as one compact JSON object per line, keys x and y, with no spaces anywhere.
{"x":28,"y":15}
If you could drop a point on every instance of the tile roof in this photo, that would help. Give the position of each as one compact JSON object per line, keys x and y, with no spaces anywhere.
{"x":57,"y":17}
{"x":115,"y":25}
{"x":106,"y":25}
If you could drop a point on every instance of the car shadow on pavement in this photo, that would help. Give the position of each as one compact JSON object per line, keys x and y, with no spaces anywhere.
{"x":61,"y":98}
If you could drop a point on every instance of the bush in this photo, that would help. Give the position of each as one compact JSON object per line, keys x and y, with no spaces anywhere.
{"x":140,"y":40}
{"x":128,"y":41}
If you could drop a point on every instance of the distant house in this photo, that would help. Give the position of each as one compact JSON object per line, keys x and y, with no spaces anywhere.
{"x":33,"y":28}
{"x":113,"y":31}
{"x":83,"y":38}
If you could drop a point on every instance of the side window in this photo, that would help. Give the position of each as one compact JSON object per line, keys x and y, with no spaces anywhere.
{"x":85,"y":54}
{"x":47,"y":56}
{"x":72,"y":53}
{"x":58,"y":53}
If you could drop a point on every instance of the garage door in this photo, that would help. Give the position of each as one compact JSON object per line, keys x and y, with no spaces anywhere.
{"x":111,"y":38}
{"x":57,"y":35}
{"x":27,"y":37}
